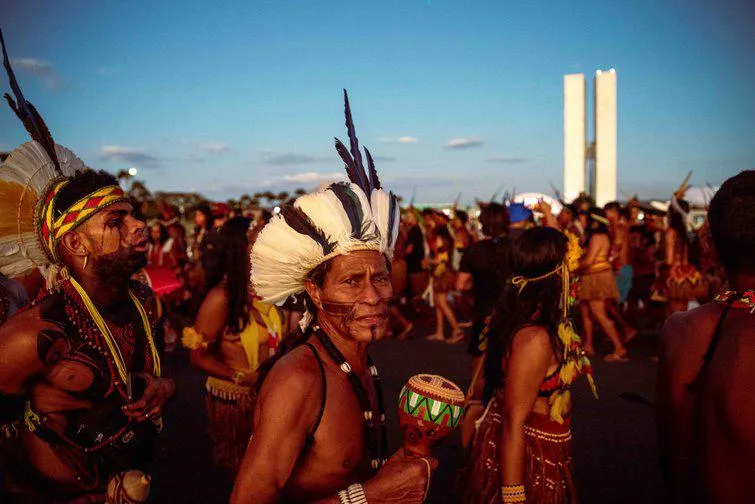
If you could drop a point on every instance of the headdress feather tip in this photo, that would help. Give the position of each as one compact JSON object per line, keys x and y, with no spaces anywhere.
{"x":27,"y":113}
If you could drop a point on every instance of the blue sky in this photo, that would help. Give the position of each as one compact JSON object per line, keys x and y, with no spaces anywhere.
{"x":233,"y":97}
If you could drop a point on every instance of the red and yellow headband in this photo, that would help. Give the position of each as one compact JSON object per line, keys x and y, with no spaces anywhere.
{"x":51,"y":228}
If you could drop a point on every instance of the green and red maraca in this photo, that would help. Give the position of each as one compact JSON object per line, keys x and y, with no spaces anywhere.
{"x":430,"y":407}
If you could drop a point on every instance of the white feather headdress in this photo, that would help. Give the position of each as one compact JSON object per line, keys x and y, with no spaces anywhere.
{"x":342,"y":218}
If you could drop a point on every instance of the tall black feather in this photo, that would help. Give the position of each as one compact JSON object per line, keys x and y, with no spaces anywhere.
{"x":302,"y":224}
{"x":351,"y":168}
{"x":354,"y":145}
{"x":374,"y":180}
{"x":351,"y":206}
{"x":26,"y":112}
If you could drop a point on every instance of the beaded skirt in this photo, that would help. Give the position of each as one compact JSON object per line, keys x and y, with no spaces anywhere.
{"x":548,"y":462}
{"x":229,"y":408}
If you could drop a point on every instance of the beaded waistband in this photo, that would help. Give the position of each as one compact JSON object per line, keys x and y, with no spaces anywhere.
{"x":226,"y":390}
{"x":553,"y":437}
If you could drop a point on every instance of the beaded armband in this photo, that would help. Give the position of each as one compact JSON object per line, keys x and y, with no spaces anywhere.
{"x":193,"y":340}
{"x":513,"y":493}
{"x":353,"y":495}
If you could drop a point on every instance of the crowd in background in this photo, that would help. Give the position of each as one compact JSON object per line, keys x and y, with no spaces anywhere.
{"x":640,"y":265}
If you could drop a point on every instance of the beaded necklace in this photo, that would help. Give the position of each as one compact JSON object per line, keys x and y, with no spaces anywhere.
{"x":377,"y":454}
{"x":744,"y":299}
{"x":111,"y":348}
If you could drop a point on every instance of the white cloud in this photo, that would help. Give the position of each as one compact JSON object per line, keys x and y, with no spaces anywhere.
{"x":213,"y":147}
{"x":313,"y":177}
{"x":129,"y":155}
{"x":41,"y":69}
{"x":403,"y":140}
{"x":463,"y":143}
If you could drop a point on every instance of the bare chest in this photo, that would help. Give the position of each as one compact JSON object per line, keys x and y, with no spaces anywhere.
{"x":340,"y":451}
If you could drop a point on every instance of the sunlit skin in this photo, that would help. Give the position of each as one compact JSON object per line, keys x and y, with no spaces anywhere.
{"x":41,"y":364}
{"x":352,"y":308}
{"x":353,"y":301}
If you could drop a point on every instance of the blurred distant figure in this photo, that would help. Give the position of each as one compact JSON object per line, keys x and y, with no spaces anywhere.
{"x":598,"y":287}
{"x":683,"y":281}
{"x":621,"y":263}
{"x":485,"y":269}
{"x":444,"y":280}
{"x":415,"y":254}
{"x":521,"y":219}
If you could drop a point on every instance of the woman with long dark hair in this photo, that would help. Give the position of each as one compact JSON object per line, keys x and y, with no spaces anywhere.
{"x":598,"y":287}
{"x":522,"y":449}
{"x":234,"y":333}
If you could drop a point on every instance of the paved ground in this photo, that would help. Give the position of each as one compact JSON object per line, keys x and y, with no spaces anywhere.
{"x":614,"y":445}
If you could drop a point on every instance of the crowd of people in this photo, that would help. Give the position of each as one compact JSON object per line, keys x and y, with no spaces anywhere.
{"x":278,"y":311}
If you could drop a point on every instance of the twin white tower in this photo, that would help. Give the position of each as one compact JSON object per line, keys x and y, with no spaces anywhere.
{"x":600,"y":180}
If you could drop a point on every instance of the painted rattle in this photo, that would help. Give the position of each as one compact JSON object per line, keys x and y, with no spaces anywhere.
{"x":429,"y":409}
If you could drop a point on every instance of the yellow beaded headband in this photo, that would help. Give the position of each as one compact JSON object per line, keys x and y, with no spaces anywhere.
{"x":52,"y":228}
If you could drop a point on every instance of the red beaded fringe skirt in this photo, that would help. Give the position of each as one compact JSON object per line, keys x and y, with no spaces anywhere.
{"x":550,"y":471}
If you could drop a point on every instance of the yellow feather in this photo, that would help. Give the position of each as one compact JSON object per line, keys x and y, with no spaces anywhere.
{"x":560,"y":402}
{"x":568,"y":372}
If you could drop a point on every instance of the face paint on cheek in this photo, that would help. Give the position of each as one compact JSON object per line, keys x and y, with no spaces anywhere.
{"x":343,"y":312}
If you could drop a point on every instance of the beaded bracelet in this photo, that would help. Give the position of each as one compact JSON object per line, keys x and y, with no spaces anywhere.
{"x":513,"y":493}
{"x":353,"y":495}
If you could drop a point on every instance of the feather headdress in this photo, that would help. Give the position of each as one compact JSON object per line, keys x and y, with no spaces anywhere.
{"x":339,"y":219}
{"x":30,"y":179}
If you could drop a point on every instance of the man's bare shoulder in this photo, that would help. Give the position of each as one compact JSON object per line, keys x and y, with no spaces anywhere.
{"x":686,"y":335}
{"x":30,"y":341}
{"x":32,"y":320}
{"x":292,"y":392}
{"x":295,"y":377}
{"x":701,"y":320}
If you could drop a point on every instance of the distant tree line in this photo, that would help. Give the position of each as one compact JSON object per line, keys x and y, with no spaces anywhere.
{"x":187,"y":201}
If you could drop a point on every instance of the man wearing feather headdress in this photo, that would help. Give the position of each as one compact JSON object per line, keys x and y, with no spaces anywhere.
{"x":81,"y":395}
{"x":319,"y":422}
